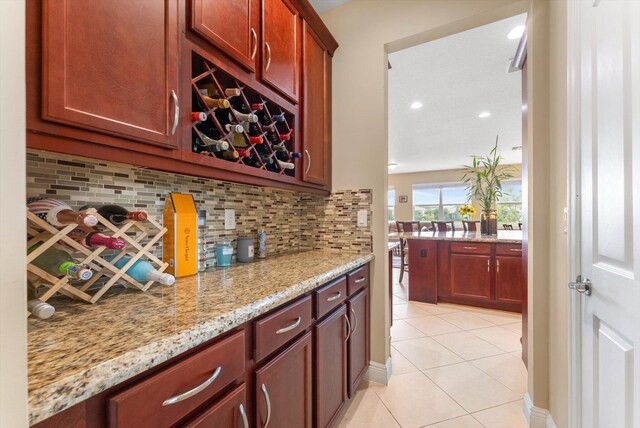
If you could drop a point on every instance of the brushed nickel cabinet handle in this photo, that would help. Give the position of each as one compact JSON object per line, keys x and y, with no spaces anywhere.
{"x":488,"y":265}
{"x":265,"y":393}
{"x":470,"y":248}
{"x":346,"y":317}
{"x":243,"y":415}
{"x":360,"y":280}
{"x":266,"y":67}
{"x":497,"y":265}
{"x":517,"y":250}
{"x":291,"y":327}
{"x":194,"y":391}
{"x":306,"y":171}
{"x":336,"y":296}
{"x":254,"y":36}
{"x":176,"y":111}
{"x":355,"y":321}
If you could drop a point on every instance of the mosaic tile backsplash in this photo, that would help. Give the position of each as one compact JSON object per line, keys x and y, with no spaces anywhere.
{"x":293,"y":221}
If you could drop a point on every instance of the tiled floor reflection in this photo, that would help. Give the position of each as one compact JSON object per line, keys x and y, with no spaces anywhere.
{"x":453,"y":367}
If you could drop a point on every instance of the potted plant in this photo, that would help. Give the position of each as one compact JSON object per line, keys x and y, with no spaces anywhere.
{"x":484,"y":179}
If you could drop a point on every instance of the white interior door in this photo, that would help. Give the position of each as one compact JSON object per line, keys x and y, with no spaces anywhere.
{"x":606,"y":116}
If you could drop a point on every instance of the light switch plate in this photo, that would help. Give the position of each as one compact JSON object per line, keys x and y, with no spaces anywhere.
{"x":229,"y":219}
{"x":362,"y":218}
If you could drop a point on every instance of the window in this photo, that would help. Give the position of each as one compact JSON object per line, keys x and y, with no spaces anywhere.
{"x":391,"y":204}
{"x":509,"y":206}
{"x":438,"y":201}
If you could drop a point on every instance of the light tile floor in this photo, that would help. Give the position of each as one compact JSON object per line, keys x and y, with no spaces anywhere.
{"x":453,"y":367}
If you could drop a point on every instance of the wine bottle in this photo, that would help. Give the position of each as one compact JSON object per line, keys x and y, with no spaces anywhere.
{"x":256,"y":139}
{"x":295,"y":155}
{"x":273,"y":138}
{"x":59,"y":214}
{"x":210,"y":146}
{"x":232,"y":127}
{"x":232,"y":92}
{"x":245,"y":153}
{"x":198,"y":116}
{"x":284,"y":137}
{"x":267,"y":160}
{"x":269,"y":127}
{"x":252,"y":160}
{"x":90,"y":238}
{"x":58,"y":262}
{"x":216,"y":102}
{"x":285,"y":165}
{"x":37,"y":307}
{"x":278,"y":117}
{"x":117,"y":214}
{"x":143,"y":271}
{"x":231,"y":155}
{"x":243,"y":117}
{"x":279,"y":148}
{"x":257,"y":106}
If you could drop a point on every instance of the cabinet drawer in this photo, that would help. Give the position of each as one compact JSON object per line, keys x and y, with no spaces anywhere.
{"x":470,"y":248}
{"x":195,"y":380}
{"x":509,"y":250}
{"x":277,"y":329}
{"x":358,"y":279}
{"x":330,"y":296}
{"x":229,"y":411}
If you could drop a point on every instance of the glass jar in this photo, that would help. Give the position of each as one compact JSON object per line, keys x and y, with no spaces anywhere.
{"x":224,"y":251}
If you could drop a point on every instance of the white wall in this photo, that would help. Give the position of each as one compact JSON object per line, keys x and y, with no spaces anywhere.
{"x":367,"y":30}
{"x":13,"y":343}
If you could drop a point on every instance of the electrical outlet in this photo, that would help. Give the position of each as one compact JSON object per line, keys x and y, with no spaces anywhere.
{"x":229,"y":219}
{"x":362,"y":218}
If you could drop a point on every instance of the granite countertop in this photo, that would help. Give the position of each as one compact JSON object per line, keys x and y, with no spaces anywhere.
{"x":85,"y":349}
{"x":504,"y":236}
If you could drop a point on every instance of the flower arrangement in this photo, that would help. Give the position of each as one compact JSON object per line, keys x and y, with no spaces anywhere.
{"x":467,"y":212}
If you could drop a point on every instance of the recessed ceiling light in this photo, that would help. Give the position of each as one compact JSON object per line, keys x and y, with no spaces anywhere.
{"x":516,"y":32}
{"x":484,"y":115}
{"x":392,"y":165}
{"x":416,"y":105}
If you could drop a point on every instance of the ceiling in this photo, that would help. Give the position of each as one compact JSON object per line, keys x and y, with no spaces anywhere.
{"x":324,"y":5}
{"x":455,"y":78}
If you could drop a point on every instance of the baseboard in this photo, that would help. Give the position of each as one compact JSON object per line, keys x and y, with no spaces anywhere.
{"x":536,"y":417}
{"x":379,"y":373}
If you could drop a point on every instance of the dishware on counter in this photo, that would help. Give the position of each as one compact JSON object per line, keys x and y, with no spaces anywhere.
{"x":245,"y":249}
{"x":262,"y":245}
{"x":224,"y":251}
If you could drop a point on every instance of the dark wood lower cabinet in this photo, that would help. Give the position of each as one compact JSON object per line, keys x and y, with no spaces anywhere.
{"x":509,"y":279}
{"x":230,"y":411}
{"x":471,"y":276}
{"x":358,"y":307}
{"x":283,"y":388}
{"x":331,"y":367}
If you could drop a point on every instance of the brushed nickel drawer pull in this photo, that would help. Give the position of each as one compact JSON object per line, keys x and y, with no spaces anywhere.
{"x":517,"y":250}
{"x":291,"y":327}
{"x":346,"y":317}
{"x":359,"y":280}
{"x":265,"y":393}
{"x":176,"y":111}
{"x":488,"y":265}
{"x":355,"y":321}
{"x":470,"y":248}
{"x":336,"y":296}
{"x":194,"y":391}
{"x":243,"y":415}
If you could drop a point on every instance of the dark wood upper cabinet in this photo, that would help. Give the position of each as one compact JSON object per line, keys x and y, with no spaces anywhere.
{"x":331,"y":367}
{"x":471,"y":276}
{"x":358,"y":307}
{"x":316,"y":93}
{"x":280,"y":28}
{"x":283,"y":388}
{"x":111,"y":66}
{"x":231,"y":25}
{"x":509,"y":279}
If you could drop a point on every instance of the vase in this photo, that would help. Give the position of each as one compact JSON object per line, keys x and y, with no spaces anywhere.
{"x":488,"y":222}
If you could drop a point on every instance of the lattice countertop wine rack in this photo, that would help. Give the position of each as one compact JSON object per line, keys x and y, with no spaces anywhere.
{"x":140,"y":238}
{"x":212,"y":81}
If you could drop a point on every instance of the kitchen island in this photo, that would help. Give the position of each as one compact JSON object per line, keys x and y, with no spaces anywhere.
{"x":466,"y":268}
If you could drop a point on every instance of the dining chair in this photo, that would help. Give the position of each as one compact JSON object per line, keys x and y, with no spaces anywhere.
{"x":506,"y":226}
{"x":405,"y":226}
{"x":444,"y":226}
{"x":470,"y":225}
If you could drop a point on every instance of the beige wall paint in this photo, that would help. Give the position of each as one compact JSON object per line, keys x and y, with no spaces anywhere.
{"x":367,"y":30}
{"x":403,"y":185}
{"x":13,"y":326}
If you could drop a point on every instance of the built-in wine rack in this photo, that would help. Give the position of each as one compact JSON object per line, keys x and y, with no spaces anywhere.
{"x":141,"y":238}
{"x":276,"y":152}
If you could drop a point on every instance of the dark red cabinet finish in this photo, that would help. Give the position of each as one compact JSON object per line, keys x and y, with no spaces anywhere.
{"x":331,"y":367}
{"x":280,"y":28}
{"x":509,"y":279}
{"x":228,"y":412}
{"x":316,"y":93}
{"x":358,"y":310}
{"x":230,"y":25}
{"x":283,"y":388}
{"x":111,"y":66}
{"x":423,"y":257}
{"x":471,"y":276}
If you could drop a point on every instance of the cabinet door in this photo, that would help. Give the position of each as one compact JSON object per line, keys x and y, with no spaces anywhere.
{"x":509,"y":279}
{"x":358,"y":307}
{"x":283,"y":388}
{"x":315,"y":99}
{"x":230,"y":411}
{"x":111,"y":66}
{"x":280,"y":46}
{"x":331,"y":367}
{"x":229,"y":25}
{"x":471,"y":276}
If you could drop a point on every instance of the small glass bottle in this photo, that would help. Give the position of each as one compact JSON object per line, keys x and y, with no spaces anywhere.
{"x":202,"y":241}
{"x":224,"y":251}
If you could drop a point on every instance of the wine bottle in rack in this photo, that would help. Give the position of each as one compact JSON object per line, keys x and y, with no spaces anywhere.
{"x":198,"y":116}
{"x":269,"y":128}
{"x":243,"y":117}
{"x":252,"y":160}
{"x":90,"y":238}
{"x":117,"y":214}
{"x":295,"y":155}
{"x":285,"y":137}
{"x":219,"y":103}
{"x":256,"y":139}
{"x":58,"y":213}
{"x":235,"y":128}
{"x":143,"y":271}
{"x":37,"y":307}
{"x":273,"y":138}
{"x":237,"y":132}
{"x":282,"y":155}
{"x":209,"y":145}
{"x":267,"y":160}
{"x":285,"y":165}
{"x":278,"y":117}
{"x":245,"y":153}
{"x":231,"y":155}
{"x":58,"y":262}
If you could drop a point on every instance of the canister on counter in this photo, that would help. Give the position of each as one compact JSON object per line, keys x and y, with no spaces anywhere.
{"x":245,"y":249}
{"x":224,"y":251}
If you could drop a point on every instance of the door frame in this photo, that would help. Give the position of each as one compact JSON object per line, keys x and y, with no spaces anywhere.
{"x":574,"y":212}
